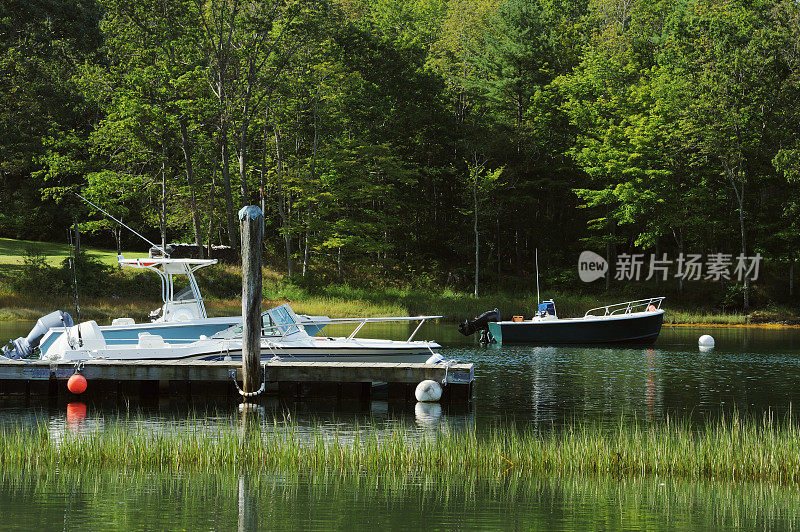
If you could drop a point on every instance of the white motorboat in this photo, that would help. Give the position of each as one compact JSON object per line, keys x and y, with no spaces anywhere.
{"x":283,"y":337}
{"x":181,"y":319}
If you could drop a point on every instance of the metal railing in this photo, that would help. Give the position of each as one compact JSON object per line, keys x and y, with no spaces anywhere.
{"x":628,"y":307}
{"x":363,"y":321}
{"x":281,"y":330}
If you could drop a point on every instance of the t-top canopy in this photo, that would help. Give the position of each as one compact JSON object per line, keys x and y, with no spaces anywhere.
{"x":169,"y":265}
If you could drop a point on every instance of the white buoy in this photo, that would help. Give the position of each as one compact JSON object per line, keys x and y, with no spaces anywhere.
{"x":428,"y":391}
{"x":706,"y":341}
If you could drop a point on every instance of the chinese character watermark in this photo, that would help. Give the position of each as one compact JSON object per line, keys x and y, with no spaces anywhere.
{"x":687,"y":266}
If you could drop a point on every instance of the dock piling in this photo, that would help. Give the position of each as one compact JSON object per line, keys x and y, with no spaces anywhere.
{"x":251,"y":221}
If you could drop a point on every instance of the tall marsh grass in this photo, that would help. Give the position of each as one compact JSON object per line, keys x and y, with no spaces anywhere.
{"x":731,"y":448}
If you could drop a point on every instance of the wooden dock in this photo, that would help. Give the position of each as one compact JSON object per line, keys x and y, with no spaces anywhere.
{"x":195,"y":377}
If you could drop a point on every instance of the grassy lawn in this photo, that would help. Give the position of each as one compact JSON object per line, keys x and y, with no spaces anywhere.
{"x":12,"y":252}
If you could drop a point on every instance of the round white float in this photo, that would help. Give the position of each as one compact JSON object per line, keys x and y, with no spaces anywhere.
{"x":706,"y":341}
{"x":428,"y":391}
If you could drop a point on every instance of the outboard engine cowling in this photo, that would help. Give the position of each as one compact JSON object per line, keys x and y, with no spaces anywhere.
{"x":480,"y":323}
{"x":22,"y":347}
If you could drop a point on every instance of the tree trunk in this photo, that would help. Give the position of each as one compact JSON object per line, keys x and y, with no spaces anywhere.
{"x":241,"y":155}
{"x":679,"y":236}
{"x":498,"y":252}
{"x":233,"y":230}
{"x":282,"y":206}
{"x":313,"y":172}
{"x":658,"y":256}
{"x":211,"y":198}
{"x":746,"y":295}
{"x":475,"y":228}
{"x":118,"y":241}
{"x":339,"y":265}
{"x":791,"y":277}
{"x":163,"y":217}
{"x":187,"y":155}
{"x":736,"y":172}
{"x":306,"y":251}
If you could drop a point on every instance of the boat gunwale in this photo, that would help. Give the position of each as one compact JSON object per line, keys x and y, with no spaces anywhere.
{"x":585,"y":319}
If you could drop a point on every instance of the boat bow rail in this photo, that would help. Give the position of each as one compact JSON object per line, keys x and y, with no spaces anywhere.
{"x":628,"y":307}
{"x":363,"y":321}
{"x":282,"y":321}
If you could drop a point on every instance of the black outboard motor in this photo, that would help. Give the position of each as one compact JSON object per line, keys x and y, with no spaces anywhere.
{"x":480,"y":323}
{"x":22,"y":347}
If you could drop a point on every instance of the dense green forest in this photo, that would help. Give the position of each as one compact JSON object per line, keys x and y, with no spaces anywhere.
{"x":402,"y":139}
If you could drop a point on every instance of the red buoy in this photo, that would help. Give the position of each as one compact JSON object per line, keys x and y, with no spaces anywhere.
{"x":651,"y":308}
{"x":77,"y":384}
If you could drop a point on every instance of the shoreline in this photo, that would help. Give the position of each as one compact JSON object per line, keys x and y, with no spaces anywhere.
{"x":763,"y":325}
{"x":105,"y":310}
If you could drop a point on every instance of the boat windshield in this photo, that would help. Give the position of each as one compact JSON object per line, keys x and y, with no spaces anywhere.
{"x":184,"y":295}
{"x":279,"y":321}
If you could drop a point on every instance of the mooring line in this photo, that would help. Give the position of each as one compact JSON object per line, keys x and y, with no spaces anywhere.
{"x":243,"y":393}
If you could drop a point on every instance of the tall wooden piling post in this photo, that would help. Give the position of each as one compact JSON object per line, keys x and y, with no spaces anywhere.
{"x":251,"y":221}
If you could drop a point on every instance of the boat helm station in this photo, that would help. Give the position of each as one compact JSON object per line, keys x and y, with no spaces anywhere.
{"x":185,"y":305}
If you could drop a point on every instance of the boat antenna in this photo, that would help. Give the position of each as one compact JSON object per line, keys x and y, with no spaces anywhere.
{"x":537,"y":277}
{"x":163,"y":251}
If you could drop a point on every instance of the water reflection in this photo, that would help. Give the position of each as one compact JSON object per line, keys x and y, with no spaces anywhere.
{"x":255,"y":500}
{"x":428,"y":415}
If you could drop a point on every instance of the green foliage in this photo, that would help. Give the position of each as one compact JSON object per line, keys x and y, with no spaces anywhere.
{"x":626,"y":125}
{"x":36,"y":275}
{"x":92,"y":275}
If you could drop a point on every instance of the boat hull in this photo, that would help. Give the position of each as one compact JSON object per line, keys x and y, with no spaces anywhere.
{"x":638,"y":328}
{"x":177,"y":332}
{"x":304,"y":350}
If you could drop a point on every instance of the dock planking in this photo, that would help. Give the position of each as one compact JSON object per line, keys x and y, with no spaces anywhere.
{"x":200,"y":372}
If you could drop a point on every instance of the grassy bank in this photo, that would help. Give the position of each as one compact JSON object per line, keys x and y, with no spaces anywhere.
{"x":733,"y":448}
{"x":340,"y":301}
{"x":29,"y":289}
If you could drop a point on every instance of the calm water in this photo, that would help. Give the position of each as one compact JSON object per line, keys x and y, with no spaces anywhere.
{"x":751,"y":370}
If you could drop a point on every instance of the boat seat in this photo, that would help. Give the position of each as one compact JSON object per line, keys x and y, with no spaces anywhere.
{"x":150,"y":341}
{"x":91,"y":336}
{"x":123,"y":321}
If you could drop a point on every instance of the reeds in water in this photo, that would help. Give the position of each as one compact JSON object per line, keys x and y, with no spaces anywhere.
{"x":732,"y":448}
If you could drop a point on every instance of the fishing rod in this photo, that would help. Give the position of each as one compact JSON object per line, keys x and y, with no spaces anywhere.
{"x":537,"y":277}
{"x":72,"y":258}
{"x":163,"y":251}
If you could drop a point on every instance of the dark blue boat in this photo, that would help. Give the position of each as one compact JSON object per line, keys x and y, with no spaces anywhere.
{"x":632,"y":322}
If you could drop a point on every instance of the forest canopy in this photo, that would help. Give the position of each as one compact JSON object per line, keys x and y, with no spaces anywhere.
{"x":407,"y":137}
